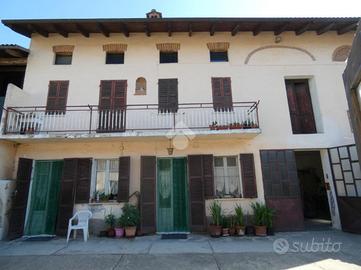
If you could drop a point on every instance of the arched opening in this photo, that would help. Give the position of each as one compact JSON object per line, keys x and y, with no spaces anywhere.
{"x":140,"y":86}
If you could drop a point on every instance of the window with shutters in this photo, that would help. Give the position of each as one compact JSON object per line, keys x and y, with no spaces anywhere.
{"x":114,"y":58}
{"x":222,"y":94}
{"x":63,"y":58}
{"x":57,"y":97}
{"x":218,"y":56}
{"x":168,"y":57}
{"x":106,"y":179}
{"x":167,"y":95}
{"x":300,"y":107}
{"x":227,"y":177}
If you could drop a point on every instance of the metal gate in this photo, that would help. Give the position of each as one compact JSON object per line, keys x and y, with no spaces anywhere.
{"x":347,"y":180}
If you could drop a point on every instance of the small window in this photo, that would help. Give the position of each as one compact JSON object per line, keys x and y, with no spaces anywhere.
{"x":63,"y":58}
{"x":219,"y":56}
{"x":106,"y":178}
{"x":114,"y":58}
{"x":226,"y":177}
{"x":140,"y":86}
{"x":168,"y":57}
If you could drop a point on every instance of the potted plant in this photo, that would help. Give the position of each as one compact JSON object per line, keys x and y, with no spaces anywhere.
{"x":225,"y":226}
{"x":119,"y":229}
{"x":260,"y":220}
{"x":269,"y":220}
{"x":131,"y":219}
{"x":240,"y":229}
{"x":215,"y":228}
{"x":110,"y":221}
{"x":213,"y":126}
{"x":232,"y":225}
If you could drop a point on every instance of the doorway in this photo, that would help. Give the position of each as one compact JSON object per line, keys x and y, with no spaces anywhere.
{"x":44,"y":198}
{"x":172,"y":195}
{"x":316,"y":209}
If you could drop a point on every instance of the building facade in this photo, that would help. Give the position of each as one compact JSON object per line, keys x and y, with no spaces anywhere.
{"x":175,"y":113}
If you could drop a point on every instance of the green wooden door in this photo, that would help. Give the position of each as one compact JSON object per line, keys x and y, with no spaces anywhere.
{"x":172,"y":195}
{"x":43,"y":209}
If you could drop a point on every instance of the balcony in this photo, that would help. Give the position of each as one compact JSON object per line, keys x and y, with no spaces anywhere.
{"x":135,"y":120}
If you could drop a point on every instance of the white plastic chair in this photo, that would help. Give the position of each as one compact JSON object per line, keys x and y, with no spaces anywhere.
{"x":83,"y":217}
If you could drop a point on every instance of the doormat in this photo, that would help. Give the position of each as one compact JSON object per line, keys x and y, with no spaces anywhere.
{"x":39,"y":238}
{"x":174,"y":236}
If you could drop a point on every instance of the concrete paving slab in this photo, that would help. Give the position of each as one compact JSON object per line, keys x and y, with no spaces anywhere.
{"x":241,"y":244}
{"x":79,"y":262}
{"x":167,"y":262}
{"x":32,"y":248}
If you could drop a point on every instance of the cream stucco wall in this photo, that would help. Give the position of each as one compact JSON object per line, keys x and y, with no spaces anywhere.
{"x":262,"y":78}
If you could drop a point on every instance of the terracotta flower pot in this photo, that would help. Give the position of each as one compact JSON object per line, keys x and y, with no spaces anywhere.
{"x":232,"y":231}
{"x":119,"y":232}
{"x":215,"y":231}
{"x":260,"y":230}
{"x":130,"y":231}
{"x":111,"y":232}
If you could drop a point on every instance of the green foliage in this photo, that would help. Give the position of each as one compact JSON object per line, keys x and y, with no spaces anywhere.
{"x":262,"y":215}
{"x":216,"y":212}
{"x":225,"y":222}
{"x":232,"y":221}
{"x":121,"y":222}
{"x":110,"y":220}
{"x":130,"y":215}
{"x":239,"y":215}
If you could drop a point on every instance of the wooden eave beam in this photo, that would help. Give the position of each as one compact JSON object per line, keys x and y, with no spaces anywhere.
{"x":146,"y":30}
{"x":82,"y":30}
{"x":325,"y":28}
{"x":169,"y":26}
{"x":38,"y":30}
{"x":257,"y":29}
{"x":212,"y":30}
{"x":61,"y":30}
{"x":303,"y":29}
{"x":103,"y":29}
{"x":281,"y":29}
{"x":14,"y":53}
{"x":13,"y":61}
{"x":235,"y":30}
{"x":125,"y":30}
{"x":190,"y":29}
{"x":346,"y":28}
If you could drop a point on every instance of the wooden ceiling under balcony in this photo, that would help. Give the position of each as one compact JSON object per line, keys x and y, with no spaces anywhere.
{"x":191,"y":26}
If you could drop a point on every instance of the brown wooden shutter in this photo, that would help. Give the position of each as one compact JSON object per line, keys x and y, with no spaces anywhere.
{"x":196,"y":194}
{"x":67,"y":195}
{"x":248,"y":176}
{"x":57,"y":96}
{"x":148,"y":194}
{"x":168,"y":95}
{"x":20,"y":200}
{"x":208,"y":176}
{"x":123,"y":180}
{"x":222,"y":94}
{"x":83,"y":180}
{"x":300,"y":107}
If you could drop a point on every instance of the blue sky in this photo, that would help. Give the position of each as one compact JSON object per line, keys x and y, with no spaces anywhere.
{"x":42,"y":9}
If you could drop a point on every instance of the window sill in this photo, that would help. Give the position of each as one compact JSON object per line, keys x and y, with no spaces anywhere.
{"x":106,"y":203}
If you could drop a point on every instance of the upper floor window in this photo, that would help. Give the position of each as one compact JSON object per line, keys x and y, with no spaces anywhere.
{"x":167,"y":95}
{"x":218,"y":56}
{"x":57,"y":97}
{"x":63,"y":54}
{"x":168,"y":52}
{"x":226,"y":176}
{"x":63,"y":58}
{"x":114,"y":58}
{"x":300,"y":107}
{"x":222,"y":94}
{"x":168,"y":57}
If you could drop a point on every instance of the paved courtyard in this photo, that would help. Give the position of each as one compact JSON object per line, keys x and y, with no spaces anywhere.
{"x":300,"y":250}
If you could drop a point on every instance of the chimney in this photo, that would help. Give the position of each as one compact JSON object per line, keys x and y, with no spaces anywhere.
{"x":154,"y":14}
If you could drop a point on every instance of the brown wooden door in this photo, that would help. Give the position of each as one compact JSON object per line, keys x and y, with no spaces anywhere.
{"x":167,"y":95}
{"x":148,"y":194}
{"x":222,"y":94}
{"x":112,"y":106}
{"x":300,"y":107}
{"x":282,"y":189}
{"x":20,"y":199}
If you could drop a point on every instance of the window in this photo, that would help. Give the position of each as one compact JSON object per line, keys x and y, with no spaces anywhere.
{"x":168,"y":57}
{"x":222,"y":94}
{"x":300,"y":107}
{"x":114,"y":58}
{"x":106,"y":177}
{"x":226,"y":177}
{"x":63,"y":58}
{"x":57,"y":97}
{"x":218,"y":56}
{"x":140,"y":86}
{"x":167,"y":95}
